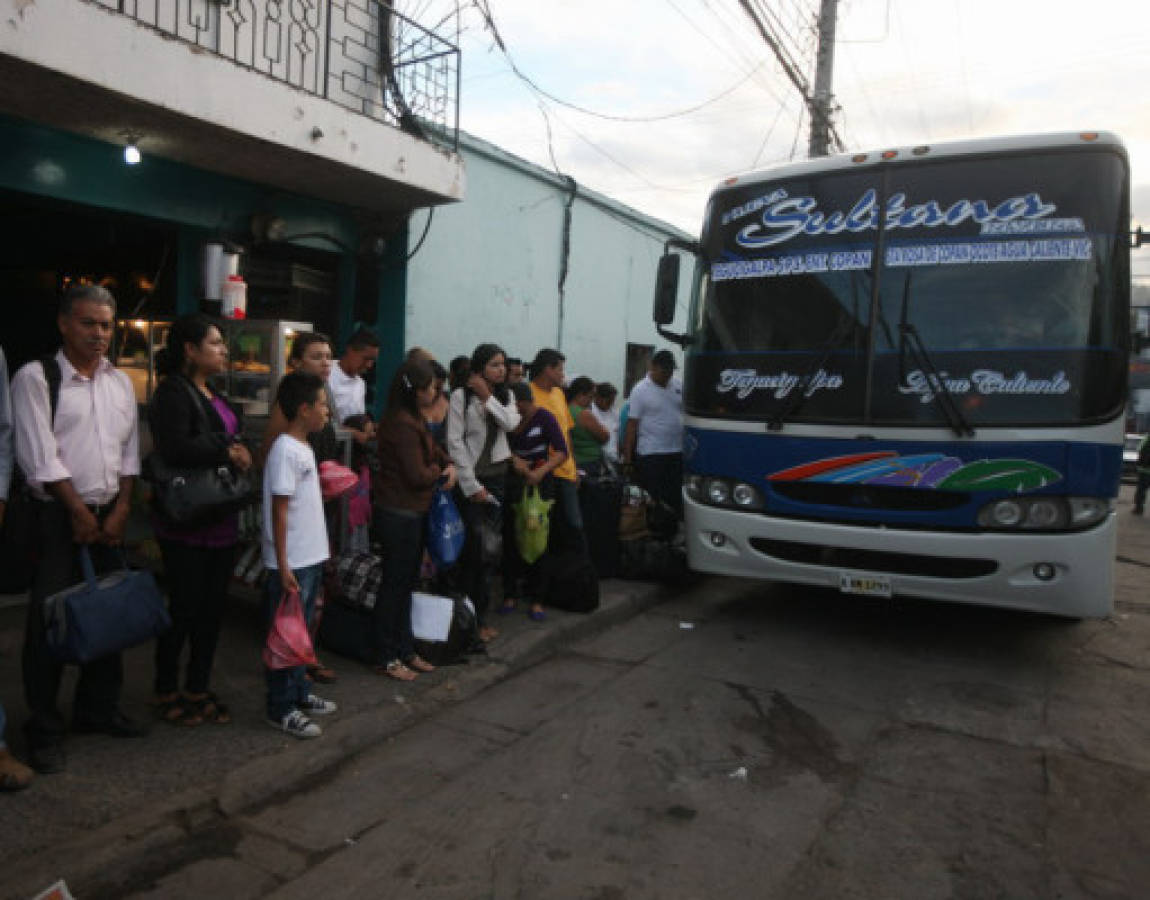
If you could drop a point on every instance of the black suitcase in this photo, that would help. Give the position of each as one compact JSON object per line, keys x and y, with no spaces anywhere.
{"x":349,"y":631}
{"x":568,"y":581}
{"x":600,"y":499}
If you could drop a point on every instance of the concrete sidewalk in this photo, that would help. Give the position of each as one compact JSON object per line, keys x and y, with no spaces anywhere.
{"x":127,"y":806}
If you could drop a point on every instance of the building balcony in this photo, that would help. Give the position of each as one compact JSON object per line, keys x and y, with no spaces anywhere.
{"x":341,"y":99}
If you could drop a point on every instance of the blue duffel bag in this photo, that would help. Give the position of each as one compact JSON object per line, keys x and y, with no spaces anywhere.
{"x":103,"y":615}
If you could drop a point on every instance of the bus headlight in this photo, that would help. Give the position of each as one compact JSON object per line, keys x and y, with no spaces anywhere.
{"x":718,"y":491}
{"x":1003,"y":514}
{"x":1086,"y":511}
{"x":745,"y":496}
{"x":1044,"y":513}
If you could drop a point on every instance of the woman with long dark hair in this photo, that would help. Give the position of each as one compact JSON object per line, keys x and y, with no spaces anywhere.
{"x":411,"y":465}
{"x":193,"y":425}
{"x":481,"y":415}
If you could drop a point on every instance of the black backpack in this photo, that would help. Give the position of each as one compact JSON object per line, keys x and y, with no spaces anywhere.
{"x":569,"y":581}
{"x":17,"y":544}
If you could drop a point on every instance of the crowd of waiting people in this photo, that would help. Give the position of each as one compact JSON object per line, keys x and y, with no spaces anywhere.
{"x":486,"y":428}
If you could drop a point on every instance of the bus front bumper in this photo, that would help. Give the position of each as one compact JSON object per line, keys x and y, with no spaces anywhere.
{"x":1069,"y":574}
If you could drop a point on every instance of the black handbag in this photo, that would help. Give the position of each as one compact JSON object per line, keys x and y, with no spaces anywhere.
{"x":186,"y":496}
{"x":104,"y":615}
{"x":196,"y":495}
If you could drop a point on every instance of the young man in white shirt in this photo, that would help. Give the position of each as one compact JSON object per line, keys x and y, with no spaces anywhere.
{"x":346,"y":384}
{"x":80,"y":464}
{"x":295,"y":542}
{"x":654,"y":440}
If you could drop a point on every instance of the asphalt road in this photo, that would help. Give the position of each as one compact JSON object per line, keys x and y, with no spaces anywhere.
{"x":748,"y":741}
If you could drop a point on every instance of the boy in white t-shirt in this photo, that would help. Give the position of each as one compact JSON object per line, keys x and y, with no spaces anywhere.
{"x":295,"y":543}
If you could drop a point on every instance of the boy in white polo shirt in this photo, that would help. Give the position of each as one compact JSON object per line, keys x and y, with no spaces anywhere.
{"x":654,"y":440}
{"x":295,"y":543}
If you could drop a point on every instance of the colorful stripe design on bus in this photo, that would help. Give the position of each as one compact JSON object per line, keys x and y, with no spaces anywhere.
{"x":936,"y":471}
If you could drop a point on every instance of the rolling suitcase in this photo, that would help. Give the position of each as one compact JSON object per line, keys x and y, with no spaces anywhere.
{"x":601,"y":500}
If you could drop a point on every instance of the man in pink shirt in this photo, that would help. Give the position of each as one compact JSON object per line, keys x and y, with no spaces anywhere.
{"x":80,"y":459}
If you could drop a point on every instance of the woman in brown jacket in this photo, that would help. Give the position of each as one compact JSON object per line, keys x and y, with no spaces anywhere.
{"x":411,"y":465}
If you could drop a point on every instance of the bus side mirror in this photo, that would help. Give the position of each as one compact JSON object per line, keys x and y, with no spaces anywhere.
{"x":666,"y":289}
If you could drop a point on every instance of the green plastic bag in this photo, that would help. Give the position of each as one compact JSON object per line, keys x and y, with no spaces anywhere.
{"x":532,"y":515}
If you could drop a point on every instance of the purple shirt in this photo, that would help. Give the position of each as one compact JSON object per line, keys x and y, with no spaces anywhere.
{"x":536,"y":437}
{"x":224,"y":533}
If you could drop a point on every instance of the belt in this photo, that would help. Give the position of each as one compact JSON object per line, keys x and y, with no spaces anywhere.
{"x":98,"y":509}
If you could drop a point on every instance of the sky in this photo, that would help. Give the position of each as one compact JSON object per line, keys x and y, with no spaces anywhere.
{"x":675,"y":95}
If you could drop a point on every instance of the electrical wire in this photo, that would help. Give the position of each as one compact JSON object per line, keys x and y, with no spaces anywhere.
{"x":485,"y":12}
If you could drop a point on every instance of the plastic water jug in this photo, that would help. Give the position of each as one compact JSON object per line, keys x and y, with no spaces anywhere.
{"x":235,"y":298}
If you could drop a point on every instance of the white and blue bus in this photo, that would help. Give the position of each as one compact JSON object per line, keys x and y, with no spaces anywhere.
{"x":906,"y":372}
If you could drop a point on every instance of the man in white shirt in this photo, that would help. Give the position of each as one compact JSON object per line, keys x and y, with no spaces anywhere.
{"x":654,"y":439}
{"x":346,"y":385}
{"x":80,"y":462}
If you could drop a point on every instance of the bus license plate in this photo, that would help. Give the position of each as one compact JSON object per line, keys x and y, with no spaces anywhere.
{"x":867,"y":585}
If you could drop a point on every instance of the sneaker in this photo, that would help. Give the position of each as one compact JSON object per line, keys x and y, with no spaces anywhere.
{"x":297,"y":725}
{"x":317,"y":706}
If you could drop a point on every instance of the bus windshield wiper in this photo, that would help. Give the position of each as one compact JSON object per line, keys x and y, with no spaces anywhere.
{"x":909,"y":338}
{"x":845,"y":325}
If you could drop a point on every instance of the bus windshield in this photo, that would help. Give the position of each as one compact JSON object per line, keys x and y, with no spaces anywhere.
{"x":1000,"y":280}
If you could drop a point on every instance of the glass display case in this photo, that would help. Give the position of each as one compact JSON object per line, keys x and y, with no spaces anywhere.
{"x":134,"y":350}
{"x":257,"y":359}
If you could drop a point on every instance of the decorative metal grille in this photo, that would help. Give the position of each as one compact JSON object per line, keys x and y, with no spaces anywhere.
{"x":360,"y":54}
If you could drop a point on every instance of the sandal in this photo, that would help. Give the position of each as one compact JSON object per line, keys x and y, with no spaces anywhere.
{"x":536,"y":614}
{"x":488,"y":634}
{"x":321,"y":674}
{"x":397,"y":670}
{"x":210,"y":709}
{"x":177,"y":710}
{"x":419,"y":664}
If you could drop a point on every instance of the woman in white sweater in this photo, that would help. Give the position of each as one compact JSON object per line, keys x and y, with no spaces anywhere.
{"x":481,"y":414}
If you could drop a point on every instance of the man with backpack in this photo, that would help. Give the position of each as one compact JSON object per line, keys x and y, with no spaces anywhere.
{"x":76,"y":444}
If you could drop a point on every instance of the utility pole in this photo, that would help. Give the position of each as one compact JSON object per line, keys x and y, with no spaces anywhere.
{"x":822,"y":101}
{"x":819,"y":102}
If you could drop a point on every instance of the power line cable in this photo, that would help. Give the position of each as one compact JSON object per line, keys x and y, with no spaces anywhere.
{"x":485,"y":12}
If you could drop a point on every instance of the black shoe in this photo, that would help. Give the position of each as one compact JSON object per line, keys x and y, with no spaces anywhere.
{"x":47,"y":759}
{"x":118,"y":726}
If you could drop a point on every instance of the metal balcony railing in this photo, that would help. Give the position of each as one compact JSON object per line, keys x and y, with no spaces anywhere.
{"x":361,"y":54}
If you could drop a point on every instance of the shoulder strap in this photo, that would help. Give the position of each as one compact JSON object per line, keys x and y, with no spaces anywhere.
{"x":52,"y":375}
{"x":197,"y":402}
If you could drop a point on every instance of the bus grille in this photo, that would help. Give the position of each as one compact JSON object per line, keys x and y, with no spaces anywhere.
{"x":876,"y":560}
{"x":868,"y":496}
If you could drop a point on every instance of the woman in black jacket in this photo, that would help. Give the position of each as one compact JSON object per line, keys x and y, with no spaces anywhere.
{"x":193,"y":425}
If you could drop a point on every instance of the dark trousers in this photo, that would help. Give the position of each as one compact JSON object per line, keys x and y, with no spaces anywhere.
{"x":288,"y":688}
{"x":98,"y":690}
{"x":401,"y":537}
{"x":520,"y":578}
{"x":661,"y":476}
{"x":1140,"y":491}
{"x":197,"y":582}
{"x":477,"y":567}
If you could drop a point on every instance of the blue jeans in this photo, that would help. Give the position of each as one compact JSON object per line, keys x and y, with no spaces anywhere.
{"x":287,"y":688}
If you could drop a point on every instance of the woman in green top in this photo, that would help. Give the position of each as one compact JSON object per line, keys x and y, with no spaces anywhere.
{"x":588,"y":436}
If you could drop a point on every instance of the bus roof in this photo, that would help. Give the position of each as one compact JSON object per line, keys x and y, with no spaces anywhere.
{"x":919,"y":152}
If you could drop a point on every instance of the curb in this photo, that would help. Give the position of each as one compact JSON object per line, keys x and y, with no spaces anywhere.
{"x":139,"y":847}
